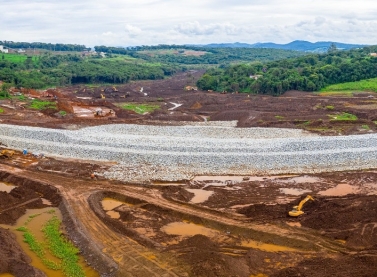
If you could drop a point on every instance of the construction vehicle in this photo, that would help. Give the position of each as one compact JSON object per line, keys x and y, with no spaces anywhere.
{"x":6,"y":153}
{"x":297,"y":209}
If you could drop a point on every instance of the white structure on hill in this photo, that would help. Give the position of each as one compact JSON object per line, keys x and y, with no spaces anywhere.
{"x":3,"y":50}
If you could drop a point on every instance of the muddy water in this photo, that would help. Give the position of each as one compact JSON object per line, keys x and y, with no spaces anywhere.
{"x":200,"y":195}
{"x":267,"y":247}
{"x":340,"y":190}
{"x":167,"y":184}
{"x":291,"y":191}
{"x":34,"y":219}
{"x":113,"y":214}
{"x":109,"y":204}
{"x":186,"y":229}
{"x":6,"y":275}
{"x":6,"y":187}
{"x":301,"y":179}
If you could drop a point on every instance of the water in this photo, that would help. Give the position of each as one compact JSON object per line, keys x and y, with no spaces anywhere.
{"x":6,"y":275}
{"x":37,"y":218}
{"x":6,"y":187}
{"x":340,"y":190}
{"x":200,"y":195}
{"x":113,"y":214}
{"x":267,"y":247}
{"x":186,"y":229}
{"x":301,"y":179}
{"x":294,"y":191}
{"x":109,"y":204}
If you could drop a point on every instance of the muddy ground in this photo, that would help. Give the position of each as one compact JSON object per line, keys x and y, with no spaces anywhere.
{"x":211,"y":225}
{"x":84,"y":106}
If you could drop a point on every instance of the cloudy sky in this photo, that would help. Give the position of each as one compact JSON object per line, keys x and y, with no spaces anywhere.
{"x":151,"y":22}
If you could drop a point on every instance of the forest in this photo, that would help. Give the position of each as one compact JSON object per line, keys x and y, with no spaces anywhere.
{"x":59,"y":70}
{"x":307,"y":73}
{"x":211,"y":56}
{"x":45,"y":46}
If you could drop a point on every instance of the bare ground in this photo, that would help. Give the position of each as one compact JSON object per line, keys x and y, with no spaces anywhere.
{"x":239,"y":228}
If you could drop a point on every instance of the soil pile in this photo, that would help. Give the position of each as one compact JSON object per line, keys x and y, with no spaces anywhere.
{"x":13,"y":260}
{"x":205,"y":259}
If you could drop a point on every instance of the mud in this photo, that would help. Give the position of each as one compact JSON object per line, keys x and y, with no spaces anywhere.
{"x":83,"y":106}
{"x":211,"y":225}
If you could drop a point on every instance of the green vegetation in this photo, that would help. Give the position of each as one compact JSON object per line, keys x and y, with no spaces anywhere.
{"x":38,"y":248}
{"x":192,"y":55}
{"x":279,"y":117}
{"x":336,"y":93}
{"x":56,"y":245}
{"x":62,"y":248}
{"x":63,"y":113}
{"x":343,"y":117}
{"x":139,"y":108}
{"x":329,"y":107}
{"x":311,"y":72}
{"x":365,"y":127}
{"x":42,"y":105}
{"x":363,"y":85}
{"x":1,"y":110}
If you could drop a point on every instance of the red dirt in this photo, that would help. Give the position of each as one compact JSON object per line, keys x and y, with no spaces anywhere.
{"x":251,"y":231}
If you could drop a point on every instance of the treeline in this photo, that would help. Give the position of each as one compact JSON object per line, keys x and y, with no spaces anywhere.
{"x":307,"y":73}
{"x":46,"y":46}
{"x":58,"y":70}
{"x":212,"y":56}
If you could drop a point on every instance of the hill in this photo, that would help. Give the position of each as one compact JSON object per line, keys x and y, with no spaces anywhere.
{"x":297,"y":45}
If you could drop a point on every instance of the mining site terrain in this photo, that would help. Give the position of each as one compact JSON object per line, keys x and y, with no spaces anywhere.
{"x":157,"y":178}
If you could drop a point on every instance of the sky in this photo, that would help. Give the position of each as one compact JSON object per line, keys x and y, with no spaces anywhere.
{"x":152,"y":22}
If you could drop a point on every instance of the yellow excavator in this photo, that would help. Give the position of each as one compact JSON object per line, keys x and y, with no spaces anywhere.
{"x":6,"y":153}
{"x":297,"y":209}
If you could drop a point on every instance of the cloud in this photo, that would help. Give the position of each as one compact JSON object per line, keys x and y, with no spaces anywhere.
{"x":197,"y":29}
{"x":145,"y":22}
{"x":132,"y":31}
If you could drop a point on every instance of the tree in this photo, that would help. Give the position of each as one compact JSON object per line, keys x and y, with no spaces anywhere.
{"x":4,"y":91}
{"x":332,"y":48}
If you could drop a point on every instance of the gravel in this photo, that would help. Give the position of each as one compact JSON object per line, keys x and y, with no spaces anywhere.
{"x":171,"y":153}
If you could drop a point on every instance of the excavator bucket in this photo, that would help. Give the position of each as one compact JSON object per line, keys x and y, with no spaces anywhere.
{"x":297,"y":210}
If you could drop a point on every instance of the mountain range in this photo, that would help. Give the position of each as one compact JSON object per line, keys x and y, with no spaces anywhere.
{"x":298,"y":45}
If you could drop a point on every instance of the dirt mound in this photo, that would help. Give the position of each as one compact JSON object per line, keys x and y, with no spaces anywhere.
{"x":206,"y":260}
{"x":351,"y":218}
{"x":355,"y":266}
{"x":266,"y":212}
{"x":13,"y":260}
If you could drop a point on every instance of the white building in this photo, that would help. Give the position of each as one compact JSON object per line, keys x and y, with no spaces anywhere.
{"x":3,"y":50}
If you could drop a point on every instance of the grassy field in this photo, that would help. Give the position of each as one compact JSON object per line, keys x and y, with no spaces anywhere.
{"x":139,"y":108}
{"x":16,"y":58}
{"x":350,"y":88}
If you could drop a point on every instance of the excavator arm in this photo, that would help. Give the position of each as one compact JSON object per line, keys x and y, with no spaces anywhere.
{"x":297,"y":210}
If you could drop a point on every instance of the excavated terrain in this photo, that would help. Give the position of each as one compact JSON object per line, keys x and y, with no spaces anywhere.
{"x":225,"y":225}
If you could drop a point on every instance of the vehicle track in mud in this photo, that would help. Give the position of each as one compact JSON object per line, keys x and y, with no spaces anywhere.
{"x":134,"y":259}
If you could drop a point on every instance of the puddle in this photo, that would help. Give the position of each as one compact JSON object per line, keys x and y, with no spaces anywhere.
{"x":6,"y":187}
{"x":109,"y":204}
{"x":200,"y":195}
{"x":267,"y":247}
{"x":46,"y":202}
{"x":340,"y":190}
{"x":301,"y":179}
{"x":237,"y":179}
{"x":187,"y":229}
{"x":34,"y":219}
{"x":167,"y":184}
{"x":294,"y":224}
{"x":291,"y":191}
{"x":218,"y":178}
{"x":113,"y":214}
